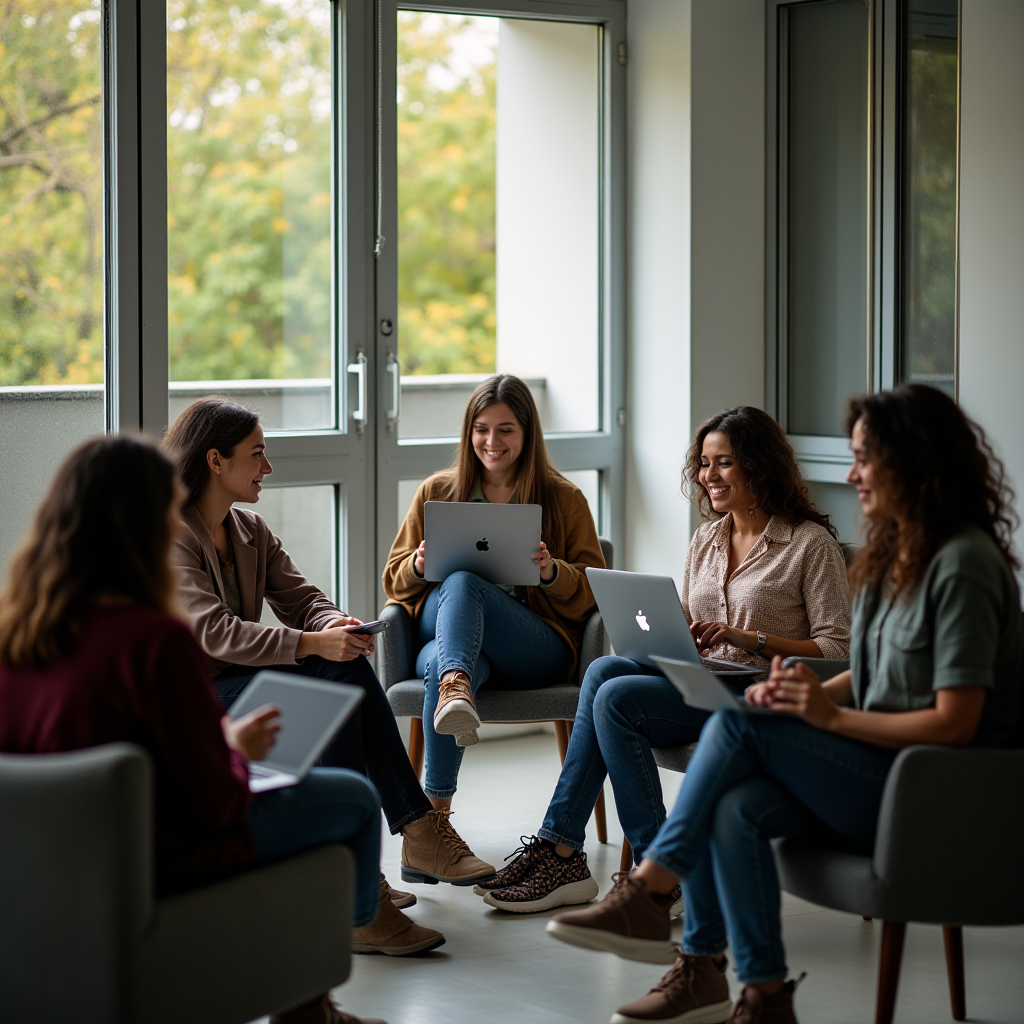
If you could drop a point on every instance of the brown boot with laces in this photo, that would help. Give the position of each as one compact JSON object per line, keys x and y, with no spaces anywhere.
{"x":630,"y":921}
{"x":694,"y":991}
{"x":432,"y":852}
{"x":456,"y":710}
{"x":757,"y":1007}
{"x":392,"y":933}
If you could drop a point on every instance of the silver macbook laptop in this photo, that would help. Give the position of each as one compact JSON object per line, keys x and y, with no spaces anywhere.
{"x":644,"y":618}
{"x":700,"y":689}
{"x":496,"y":542}
{"x":312,"y":712}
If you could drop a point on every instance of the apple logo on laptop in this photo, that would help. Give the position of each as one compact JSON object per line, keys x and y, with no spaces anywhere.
{"x":481,"y":545}
{"x":641,"y":621}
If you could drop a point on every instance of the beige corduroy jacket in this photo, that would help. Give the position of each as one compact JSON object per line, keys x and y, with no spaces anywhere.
{"x":565,"y":605}
{"x":264,"y":570}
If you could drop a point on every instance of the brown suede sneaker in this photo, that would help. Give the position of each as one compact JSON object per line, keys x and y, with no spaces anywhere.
{"x":629,"y":921}
{"x":320,"y":1011}
{"x":398,"y":898}
{"x":553,"y":882}
{"x":514,"y":873}
{"x":694,"y":991}
{"x":456,"y":710}
{"x":754,"y":1007}
{"x":432,"y":852}
{"x":392,"y":933}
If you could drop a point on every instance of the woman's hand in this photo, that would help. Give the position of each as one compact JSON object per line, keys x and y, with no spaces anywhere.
{"x":710,"y":634}
{"x":759,"y":694}
{"x":419,"y":559}
{"x":543,"y":560}
{"x":337,"y":642}
{"x":798,"y":691}
{"x":253,"y":735}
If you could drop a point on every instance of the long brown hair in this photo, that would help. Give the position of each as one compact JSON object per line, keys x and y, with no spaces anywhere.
{"x":939,"y":470}
{"x":101,"y":529}
{"x":762,"y":450}
{"x":536,"y":476}
{"x":211,"y":422}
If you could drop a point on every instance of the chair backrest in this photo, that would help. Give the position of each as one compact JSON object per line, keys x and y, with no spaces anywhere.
{"x":849,"y":553}
{"x":608,"y":550}
{"x":75,"y":878}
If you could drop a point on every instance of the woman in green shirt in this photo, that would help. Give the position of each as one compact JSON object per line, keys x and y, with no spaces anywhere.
{"x":937,"y":656}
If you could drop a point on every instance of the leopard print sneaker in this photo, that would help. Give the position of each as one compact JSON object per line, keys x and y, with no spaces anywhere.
{"x":554,"y":882}
{"x":522,"y":864}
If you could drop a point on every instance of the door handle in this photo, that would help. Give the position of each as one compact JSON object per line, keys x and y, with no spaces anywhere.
{"x":359,"y":369}
{"x":394,"y":367}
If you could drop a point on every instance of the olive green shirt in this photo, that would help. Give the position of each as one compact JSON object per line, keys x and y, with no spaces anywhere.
{"x":961,"y":626}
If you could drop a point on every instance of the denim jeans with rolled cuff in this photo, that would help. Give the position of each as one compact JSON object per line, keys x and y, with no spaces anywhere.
{"x":369,"y":743}
{"x":472,"y":625}
{"x":625,"y":710}
{"x":754,"y":778}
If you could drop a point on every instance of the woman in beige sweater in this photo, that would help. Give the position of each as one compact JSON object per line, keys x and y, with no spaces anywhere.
{"x":471,"y":630}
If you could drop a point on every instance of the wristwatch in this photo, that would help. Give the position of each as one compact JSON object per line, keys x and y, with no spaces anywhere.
{"x":762,"y":639}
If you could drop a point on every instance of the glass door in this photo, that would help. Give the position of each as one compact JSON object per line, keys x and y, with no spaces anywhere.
{"x":258,"y":166}
{"x":501,"y":207}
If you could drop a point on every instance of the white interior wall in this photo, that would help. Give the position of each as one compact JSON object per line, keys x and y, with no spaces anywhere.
{"x":696,"y":205}
{"x":658,"y":402}
{"x":992,"y":227}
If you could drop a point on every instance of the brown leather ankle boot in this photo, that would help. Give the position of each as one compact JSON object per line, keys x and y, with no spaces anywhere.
{"x":432,"y":852}
{"x":456,"y":710}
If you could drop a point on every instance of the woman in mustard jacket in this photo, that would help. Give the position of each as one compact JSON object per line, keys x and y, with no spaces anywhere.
{"x":471,"y":630}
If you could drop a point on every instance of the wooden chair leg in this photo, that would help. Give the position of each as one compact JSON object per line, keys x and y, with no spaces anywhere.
{"x":626,"y":859}
{"x":953,"y":938}
{"x":600,"y":818}
{"x":893,"y":934}
{"x":416,"y":745}
{"x":562,"y":738}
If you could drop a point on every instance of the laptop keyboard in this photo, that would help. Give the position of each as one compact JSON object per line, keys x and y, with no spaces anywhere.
{"x":260,"y":772}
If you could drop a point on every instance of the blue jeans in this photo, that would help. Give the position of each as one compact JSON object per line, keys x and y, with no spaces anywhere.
{"x":754,"y":778}
{"x":472,"y":625}
{"x":331,"y":805}
{"x":368,"y":743}
{"x":625,"y":709}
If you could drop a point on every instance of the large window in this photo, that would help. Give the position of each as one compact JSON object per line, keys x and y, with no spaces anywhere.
{"x":51,"y":243}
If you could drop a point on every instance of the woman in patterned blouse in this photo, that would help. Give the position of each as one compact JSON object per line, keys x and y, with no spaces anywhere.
{"x":764,"y":576}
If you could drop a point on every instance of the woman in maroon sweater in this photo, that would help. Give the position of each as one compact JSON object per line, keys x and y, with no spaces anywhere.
{"x":91,"y":653}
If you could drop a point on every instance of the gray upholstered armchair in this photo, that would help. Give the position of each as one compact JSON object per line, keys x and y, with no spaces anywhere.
{"x":949,"y":851}
{"x":555,"y":704}
{"x":82,"y":937}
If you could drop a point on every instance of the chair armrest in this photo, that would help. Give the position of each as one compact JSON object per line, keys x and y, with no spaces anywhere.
{"x":397,"y":659}
{"x":255,"y":943}
{"x":594,"y":644}
{"x":824,"y":668}
{"x":952,"y":822}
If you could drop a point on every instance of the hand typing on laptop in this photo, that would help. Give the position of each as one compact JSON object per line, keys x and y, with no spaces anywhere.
{"x":253,"y":735}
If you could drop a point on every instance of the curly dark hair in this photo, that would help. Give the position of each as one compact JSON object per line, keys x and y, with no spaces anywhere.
{"x":762,"y":450}
{"x":102,"y":528}
{"x":939,"y":470}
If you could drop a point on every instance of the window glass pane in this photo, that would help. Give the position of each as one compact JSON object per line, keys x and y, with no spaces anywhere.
{"x":827,"y":225}
{"x":929,"y":197}
{"x":305,"y":518}
{"x":51,"y":245}
{"x":249,"y":101}
{"x":498,"y":215}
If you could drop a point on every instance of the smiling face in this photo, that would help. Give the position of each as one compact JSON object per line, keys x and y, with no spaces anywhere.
{"x":498,"y":438}
{"x":721,"y":476}
{"x":865,"y":476}
{"x":240,"y":477}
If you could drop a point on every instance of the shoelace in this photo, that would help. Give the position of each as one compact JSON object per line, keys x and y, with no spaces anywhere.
{"x":681,"y":971}
{"x":620,"y":890}
{"x":530,"y":845}
{"x":446,"y":831}
{"x":457,"y":680}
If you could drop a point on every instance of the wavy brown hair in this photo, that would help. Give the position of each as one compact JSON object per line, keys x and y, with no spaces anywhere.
{"x":211,"y":422}
{"x":761,"y":449}
{"x":101,"y":529}
{"x":938,"y":468}
{"x":536,"y":475}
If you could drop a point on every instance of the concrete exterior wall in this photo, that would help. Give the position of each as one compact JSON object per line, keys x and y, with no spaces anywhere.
{"x":992,"y":227}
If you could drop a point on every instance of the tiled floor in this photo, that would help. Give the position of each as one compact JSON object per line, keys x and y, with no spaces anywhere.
{"x":503,"y":969}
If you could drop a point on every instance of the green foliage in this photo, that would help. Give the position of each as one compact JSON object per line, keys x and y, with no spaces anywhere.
{"x":447,"y":126}
{"x":51,"y":222}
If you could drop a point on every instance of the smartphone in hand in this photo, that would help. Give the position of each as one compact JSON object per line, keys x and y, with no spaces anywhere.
{"x":369,"y":628}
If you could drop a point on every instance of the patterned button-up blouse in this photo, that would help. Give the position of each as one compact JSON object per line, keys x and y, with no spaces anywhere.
{"x":792,"y":584}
